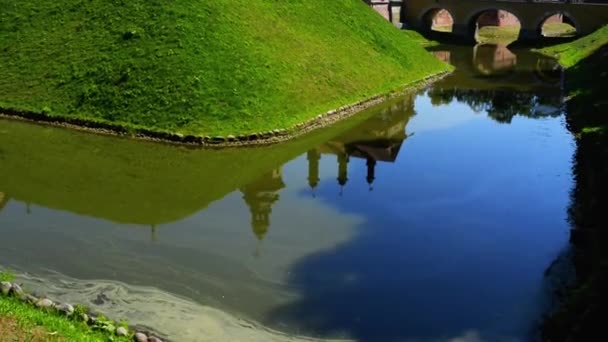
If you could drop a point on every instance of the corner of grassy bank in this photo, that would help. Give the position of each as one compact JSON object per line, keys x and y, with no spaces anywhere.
{"x":20,"y":321}
{"x":24,"y":317}
{"x":198,"y":67}
{"x":570,"y":54}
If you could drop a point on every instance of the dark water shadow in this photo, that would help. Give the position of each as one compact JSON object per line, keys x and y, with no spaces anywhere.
{"x":372,"y":289}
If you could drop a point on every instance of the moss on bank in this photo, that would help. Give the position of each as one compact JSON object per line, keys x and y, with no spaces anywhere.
{"x":200,"y":67}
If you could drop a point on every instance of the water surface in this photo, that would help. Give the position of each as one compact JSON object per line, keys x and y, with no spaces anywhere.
{"x":431,"y":217}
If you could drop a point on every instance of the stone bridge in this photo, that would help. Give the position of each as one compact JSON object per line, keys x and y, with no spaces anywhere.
{"x":585,"y":16}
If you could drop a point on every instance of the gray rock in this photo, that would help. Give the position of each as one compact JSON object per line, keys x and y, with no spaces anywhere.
{"x":154,"y":339}
{"x":231,"y":137}
{"x":44,"y":303}
{"x":28,"y":298}
{"x":5,"y":287}
{"x":84,"y":317}
{"x":122,"y":331}
{"x":140,"y":337}
{"x":65,"y":308}
{"x":16,"y":290}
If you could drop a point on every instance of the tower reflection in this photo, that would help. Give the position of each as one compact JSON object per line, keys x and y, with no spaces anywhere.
{"x":260,"y":196}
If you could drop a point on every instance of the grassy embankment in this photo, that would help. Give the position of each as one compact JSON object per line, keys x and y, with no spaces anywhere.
{"x":570,"y":54}
{"x":200,"y":67}
{"x":582,"y":316}
{"x":21,"y":321}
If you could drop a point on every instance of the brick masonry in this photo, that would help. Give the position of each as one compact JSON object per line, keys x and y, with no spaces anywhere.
{"x":443,"y":17}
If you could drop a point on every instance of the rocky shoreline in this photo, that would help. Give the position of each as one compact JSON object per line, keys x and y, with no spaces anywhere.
{"x":78,"y":313}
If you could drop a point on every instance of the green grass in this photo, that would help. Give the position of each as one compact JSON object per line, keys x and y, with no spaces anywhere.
{"x":419,"y":38}
{"x":569,"y":54}
{"x":497,"y":35}
{"x":200,"y":67}
{"x":61,"y":328}
{"x":558,"y":30}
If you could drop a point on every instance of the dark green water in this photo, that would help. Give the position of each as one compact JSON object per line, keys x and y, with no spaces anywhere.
{"x":429,"y":218}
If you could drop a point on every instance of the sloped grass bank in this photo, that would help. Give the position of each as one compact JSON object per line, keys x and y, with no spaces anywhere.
{"x":198,"y":67}
{"x":572,"y":53}
{"x":21,"y":320}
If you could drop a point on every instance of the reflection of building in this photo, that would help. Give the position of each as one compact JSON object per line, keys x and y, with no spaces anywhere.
{"x":378,"y":140}
{"x":444,"y":56}
{"x":260,"y":196}
{"x":497,"y":18}
{"x":313,"y":157}
{"x":3,"y":200}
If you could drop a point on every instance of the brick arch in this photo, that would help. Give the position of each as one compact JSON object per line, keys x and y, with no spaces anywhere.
{"x":429,"y":14}
{"x":567,"y":17}
{"x":473,"y":18}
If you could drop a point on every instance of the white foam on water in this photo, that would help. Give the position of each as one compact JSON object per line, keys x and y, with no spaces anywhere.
{"x":173,"y":317}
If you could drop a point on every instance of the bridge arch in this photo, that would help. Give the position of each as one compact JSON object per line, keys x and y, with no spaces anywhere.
{"x":472,"y":21}
{"x":567,"y":18}
{"x":437,"y":19}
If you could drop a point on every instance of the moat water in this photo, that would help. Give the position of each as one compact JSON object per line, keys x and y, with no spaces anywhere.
{"x":433,"y":217}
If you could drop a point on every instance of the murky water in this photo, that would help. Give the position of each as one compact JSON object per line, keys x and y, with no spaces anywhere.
{"x":431,"y":217}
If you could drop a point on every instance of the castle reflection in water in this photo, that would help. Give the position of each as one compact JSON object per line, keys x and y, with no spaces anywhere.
{"x":378,"y":140}
{"x":489,"y":79}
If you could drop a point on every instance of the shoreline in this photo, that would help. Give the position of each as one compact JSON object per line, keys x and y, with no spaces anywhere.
{"x":245,"y":140}
{"x":132,"y":306}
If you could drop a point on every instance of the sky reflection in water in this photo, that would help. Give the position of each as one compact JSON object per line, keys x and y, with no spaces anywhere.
{"x":431,"y":217}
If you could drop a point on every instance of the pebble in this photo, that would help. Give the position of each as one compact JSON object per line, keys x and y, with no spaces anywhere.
{"x":141,"y":337}
{"x":16,"y":290}
{"x":121,"y":331}
{"x":66,"y":309}
{"x":29,"y":298}
{"x":44,"y":303}
{"x":84,"y":317}
{"x":154,"y":339}
{"x":5,"y":286}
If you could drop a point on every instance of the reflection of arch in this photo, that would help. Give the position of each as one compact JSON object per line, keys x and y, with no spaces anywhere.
{"x":563,"y":16}
{"x":512,"y":20}
{"x":495,"y":60}
{"x":437,"y":19}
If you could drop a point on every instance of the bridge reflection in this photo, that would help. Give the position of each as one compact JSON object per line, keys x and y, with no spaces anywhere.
{"x":497,"y":66}
{"x":379,"y":140}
